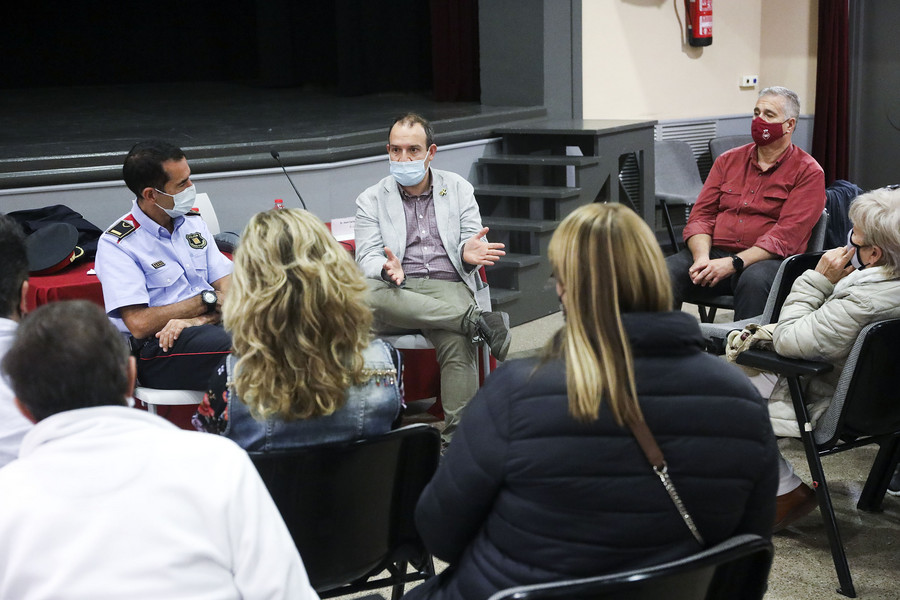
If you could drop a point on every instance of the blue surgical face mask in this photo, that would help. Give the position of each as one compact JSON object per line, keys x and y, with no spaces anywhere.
{"x":408,"y":173}
{"x":184,"y":201}
{"x":854,"y":260}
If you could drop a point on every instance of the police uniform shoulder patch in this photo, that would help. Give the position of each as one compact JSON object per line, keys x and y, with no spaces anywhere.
{"x":194,"y":212}
{"x":195,"y":240}
{"x":124,"y":228}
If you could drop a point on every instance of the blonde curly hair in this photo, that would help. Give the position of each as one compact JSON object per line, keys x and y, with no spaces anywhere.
{"x":298,"y":318}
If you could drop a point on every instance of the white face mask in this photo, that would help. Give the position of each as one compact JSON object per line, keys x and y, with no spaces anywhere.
{"x":408,"y":173}
{"x":184,"y":201}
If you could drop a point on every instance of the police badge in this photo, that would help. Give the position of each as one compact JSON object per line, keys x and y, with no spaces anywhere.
{"x":196,"y":240}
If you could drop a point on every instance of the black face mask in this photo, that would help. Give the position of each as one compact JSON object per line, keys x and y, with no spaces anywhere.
{"x":854,"y":260}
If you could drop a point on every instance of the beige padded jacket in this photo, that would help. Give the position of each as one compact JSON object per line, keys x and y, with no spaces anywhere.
{"x":821,"y":321}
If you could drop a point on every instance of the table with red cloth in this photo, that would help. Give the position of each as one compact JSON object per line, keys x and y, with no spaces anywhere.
{"x":72,"y":283}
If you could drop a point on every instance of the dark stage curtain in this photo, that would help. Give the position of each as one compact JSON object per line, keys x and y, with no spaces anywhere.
{"x":830,"y":139}
{"x":382,"y":46}
{"x":454,"y":50}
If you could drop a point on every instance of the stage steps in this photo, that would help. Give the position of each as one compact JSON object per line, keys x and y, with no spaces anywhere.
{"x":544,"y":171}
{"x":523,"y":197}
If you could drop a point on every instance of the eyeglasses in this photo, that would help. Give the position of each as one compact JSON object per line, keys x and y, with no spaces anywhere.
{"x":858,"y":247}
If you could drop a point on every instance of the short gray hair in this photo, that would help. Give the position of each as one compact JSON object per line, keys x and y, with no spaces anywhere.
{"x":877,"y":214}
{"x":789,"y":97}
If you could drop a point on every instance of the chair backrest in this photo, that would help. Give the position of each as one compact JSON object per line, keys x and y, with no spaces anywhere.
{"x":207,"y":212}
{"x":350,"y":506}
{"x":816,"y":241}
{"x":736,"y":569}
{"x":790,"y":269}
{"x":722,"y":144}
{"x":865,"y":401}
{"x":677,"y":174}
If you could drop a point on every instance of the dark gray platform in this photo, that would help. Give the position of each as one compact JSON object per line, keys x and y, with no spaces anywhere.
{"x":81,"y":134}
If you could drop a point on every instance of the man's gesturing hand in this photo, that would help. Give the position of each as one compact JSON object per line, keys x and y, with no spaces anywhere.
{"x":392,"y":267}
{"x":477,"y":251}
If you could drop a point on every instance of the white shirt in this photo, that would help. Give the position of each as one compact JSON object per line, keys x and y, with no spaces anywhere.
{"x":13,"y":426}
{"x":111,"y":502}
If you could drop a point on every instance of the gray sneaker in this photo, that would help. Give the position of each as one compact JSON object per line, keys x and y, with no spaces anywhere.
{"x":493,"y":328}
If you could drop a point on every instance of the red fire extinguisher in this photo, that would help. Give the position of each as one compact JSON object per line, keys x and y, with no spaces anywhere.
{"x":699,"y":22}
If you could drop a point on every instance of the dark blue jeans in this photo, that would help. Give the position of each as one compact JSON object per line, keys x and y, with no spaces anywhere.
{"x":750,"y":289}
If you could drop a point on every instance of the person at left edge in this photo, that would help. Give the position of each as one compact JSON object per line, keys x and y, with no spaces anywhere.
{"x":163,"y":277}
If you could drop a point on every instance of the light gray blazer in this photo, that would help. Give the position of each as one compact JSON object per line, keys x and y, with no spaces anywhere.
{"x":380,"y":222}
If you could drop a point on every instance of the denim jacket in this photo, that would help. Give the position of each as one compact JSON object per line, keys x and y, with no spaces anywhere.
{"x":370,"y":409}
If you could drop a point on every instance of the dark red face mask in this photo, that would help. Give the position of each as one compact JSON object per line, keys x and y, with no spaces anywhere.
{"x":764,"y":133}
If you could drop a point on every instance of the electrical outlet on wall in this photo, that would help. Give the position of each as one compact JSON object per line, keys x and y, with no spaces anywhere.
{"x":749,"y":81}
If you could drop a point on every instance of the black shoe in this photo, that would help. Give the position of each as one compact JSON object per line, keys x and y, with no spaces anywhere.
{"x":894,"y":485}
{"x":493,"y":328}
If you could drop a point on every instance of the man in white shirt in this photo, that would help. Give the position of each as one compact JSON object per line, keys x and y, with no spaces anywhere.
{"x":107,"y":501}
{"x":13,"y":285}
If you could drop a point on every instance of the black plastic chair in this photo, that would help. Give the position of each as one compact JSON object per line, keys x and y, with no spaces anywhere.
{"x":350,"y":506}
{"x":677,"y":179}
{"x":707,"y":305}
{"x":864,"y":410}
{"x":736,"y":569}
{"x":790,"y":269}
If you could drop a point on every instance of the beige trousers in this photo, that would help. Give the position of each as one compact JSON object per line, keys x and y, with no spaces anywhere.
{"x":445,"y":313}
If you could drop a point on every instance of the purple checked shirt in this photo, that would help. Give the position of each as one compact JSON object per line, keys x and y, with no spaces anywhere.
{"x":425,"y":255}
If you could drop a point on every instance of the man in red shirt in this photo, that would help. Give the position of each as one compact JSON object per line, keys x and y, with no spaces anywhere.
{"x":757,"y":207}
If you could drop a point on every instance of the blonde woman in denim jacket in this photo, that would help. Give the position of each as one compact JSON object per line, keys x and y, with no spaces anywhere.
{"x":304,"y":368}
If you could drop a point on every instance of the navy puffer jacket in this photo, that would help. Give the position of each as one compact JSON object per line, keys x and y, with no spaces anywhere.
{"x":528,"y":494}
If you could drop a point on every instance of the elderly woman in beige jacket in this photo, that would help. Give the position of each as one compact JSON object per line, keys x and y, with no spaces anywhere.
{"x":823,"y":315}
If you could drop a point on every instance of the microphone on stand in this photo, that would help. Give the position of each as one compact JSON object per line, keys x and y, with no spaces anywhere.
{"x":276,"y":156}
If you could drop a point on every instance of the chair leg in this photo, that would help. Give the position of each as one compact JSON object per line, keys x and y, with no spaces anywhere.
{"x":668,"y":219}
{"x":400,"y":583}
{"x":707,"y":313}
{"x":822,"y":496}
{"x":880,"y":476}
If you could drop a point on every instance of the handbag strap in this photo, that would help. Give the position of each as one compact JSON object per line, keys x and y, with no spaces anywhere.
{"x":656,"y":459}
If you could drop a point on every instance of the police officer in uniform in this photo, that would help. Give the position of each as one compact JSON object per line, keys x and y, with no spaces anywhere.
{"x":163,"y":276}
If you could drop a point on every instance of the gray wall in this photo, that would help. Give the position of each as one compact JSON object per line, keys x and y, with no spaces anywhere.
{"x":531,"y":54}
{"x":330,"y":190}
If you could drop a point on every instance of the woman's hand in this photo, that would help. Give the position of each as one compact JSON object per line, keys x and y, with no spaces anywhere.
{"x":833,"y":264}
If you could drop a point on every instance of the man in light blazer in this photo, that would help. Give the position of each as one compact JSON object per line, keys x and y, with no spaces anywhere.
{"x":419,"y":242}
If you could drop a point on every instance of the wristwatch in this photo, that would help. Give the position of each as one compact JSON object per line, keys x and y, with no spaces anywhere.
{"x":737,"y":262}
{"x":210,"y":299}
